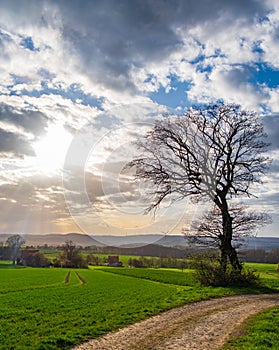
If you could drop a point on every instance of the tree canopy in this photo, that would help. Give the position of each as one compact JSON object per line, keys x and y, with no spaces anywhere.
{"x":215,"y":153}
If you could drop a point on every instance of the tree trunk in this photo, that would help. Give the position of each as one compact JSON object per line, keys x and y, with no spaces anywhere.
{"x":228,"y":252}
{"x":234,"y":259}
{"x":224,"y":256}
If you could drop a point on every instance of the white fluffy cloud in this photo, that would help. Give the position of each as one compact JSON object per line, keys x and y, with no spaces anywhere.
{"x":102,"y":65}
{"x":111,"y":48}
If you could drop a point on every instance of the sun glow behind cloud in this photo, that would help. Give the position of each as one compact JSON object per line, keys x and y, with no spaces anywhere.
{"x":64,"y":66}
{"x":51,"y":149}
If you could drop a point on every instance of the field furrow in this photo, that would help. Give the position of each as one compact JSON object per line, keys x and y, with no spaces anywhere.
{"x":40,"y":311}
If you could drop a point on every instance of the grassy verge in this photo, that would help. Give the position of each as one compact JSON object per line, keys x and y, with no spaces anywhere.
{"x":261,"y":332}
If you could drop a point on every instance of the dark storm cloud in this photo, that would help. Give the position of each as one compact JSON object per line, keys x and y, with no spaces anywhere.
{"x":271,"y":125}
{"x":15,"y":144}
{"x":110,"y":37}
{"x":30,"y":121}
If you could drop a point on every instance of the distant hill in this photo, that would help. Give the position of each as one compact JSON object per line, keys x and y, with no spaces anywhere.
{"x":56,"y":239}
{"x":129,"y":241}
{"x":266,"y":243}
{"x":179,"y":241}
{"x":148,"y":250}
{"x":133,"y":241}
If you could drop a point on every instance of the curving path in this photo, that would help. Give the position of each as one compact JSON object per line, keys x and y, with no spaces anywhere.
{"x":198,"y":326}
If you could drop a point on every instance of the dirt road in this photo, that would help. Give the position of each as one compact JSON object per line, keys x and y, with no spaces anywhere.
{"x":197,"y":326}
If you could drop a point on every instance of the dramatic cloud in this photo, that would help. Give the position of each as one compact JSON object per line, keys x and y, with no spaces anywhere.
{"x":81,"y":79}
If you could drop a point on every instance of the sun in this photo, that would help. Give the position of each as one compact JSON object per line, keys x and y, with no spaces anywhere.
{"x":52,"y":148}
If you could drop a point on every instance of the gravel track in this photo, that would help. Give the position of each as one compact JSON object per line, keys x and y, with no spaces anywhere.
{"x":197,"y":326}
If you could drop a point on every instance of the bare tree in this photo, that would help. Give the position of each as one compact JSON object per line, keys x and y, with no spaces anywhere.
{"x":214,"y":154}
{"x":70,"y":256}
{"x":14,"y":244}
{"x":207,"y":230}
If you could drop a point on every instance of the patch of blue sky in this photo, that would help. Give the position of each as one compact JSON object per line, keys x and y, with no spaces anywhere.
{"x":257,"y":47}
{"x":197,"y":60}
{"x":174,"y":98}
{"x":73,"y":93}
{"x":265,"y":109}
{"x":28,"y":43}
{"x":18,"y":79}
{"x":264,"y":74}
{"x":46,"y":74}
{"x":4,"y":36}
{"x":202,"y":68}
{"x":200,"y":61}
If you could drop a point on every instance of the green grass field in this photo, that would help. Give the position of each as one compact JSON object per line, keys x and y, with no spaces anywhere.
{"x":169,"y":276}
{"x":40,"y":311}
{"x":261,"y":333}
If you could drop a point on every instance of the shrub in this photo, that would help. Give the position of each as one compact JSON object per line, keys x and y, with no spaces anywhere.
{"x":208,"y":272}
{"x":37,"y":260}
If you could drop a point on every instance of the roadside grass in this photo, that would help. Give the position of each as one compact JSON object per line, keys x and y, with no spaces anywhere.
{"x":40,"y":311}
{"x":261,"y":332}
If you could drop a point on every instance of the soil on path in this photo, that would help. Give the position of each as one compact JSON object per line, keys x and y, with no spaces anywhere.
{"x":67,"y":278}
{"x":80,"y":278}
{"x":198,"y":326}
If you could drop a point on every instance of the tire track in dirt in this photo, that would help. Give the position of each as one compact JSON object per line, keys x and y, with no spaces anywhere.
{"x":197,"y":326}
{"x":67,"y":278}
{"x":80,"y":278}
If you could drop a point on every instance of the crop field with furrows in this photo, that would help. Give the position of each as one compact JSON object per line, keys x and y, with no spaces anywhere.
{"x":57,"y":308}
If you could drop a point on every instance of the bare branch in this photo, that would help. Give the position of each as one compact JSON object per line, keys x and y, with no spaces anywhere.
{"x":212,"y":154}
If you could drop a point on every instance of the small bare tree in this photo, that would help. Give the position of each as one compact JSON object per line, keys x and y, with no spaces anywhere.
{"x":207,"y":230}
{"x":214,"y":154}
{"x":70,"y":256}
{"x":14,"y":244}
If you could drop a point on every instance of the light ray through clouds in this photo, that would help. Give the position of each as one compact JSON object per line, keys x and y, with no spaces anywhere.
{"x":98,"y":73}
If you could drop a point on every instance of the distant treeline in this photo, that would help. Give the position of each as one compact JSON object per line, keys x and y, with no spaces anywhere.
{"x":154,"y":250}
{"x":143,"y":261}
{"x":153,"y":255}
{"x":260,"y":255}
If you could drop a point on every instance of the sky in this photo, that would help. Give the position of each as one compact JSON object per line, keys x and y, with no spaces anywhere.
{"x":79,"y":80}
